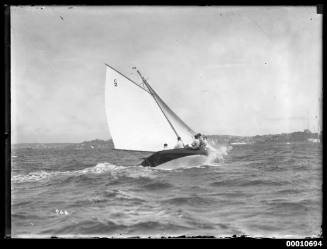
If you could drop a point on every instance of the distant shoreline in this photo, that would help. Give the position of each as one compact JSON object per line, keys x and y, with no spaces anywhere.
{"x":297,"y":136}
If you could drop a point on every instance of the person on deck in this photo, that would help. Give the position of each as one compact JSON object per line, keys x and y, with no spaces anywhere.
{"x":203,"y":142}
{"x":165,"y":147}
{"x":196,"y":142}
{"x":179,"y":144}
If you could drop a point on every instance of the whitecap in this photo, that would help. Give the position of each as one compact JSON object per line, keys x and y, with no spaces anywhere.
{"x":101,"y":168}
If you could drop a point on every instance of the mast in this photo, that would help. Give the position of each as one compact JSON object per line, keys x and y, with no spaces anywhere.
{"x":153,"y":95}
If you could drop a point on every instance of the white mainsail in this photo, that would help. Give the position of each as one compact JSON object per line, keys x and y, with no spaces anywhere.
{"x":135,"y":119}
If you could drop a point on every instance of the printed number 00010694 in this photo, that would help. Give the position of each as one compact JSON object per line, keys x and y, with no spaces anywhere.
{"x":303,"y":243}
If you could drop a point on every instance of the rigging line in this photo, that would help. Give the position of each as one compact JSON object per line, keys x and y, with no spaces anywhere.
{"x":153,"y":95}
{"x":127,"y":78}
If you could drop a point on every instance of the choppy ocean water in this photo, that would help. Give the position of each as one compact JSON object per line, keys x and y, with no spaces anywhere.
{"x":258,"y":190}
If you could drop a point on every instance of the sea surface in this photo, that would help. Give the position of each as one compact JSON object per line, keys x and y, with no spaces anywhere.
{"x":256,"y":190}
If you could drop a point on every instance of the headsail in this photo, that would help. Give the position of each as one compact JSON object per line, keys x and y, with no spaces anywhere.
{"x":182,"y":129}
{"x":135,"y":119}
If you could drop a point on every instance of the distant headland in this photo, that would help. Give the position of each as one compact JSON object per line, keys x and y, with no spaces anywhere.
{"x":298,"y":136}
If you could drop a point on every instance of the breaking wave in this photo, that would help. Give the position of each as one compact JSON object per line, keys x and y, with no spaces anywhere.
{"x":217,"y":153}
{"x":100,"y":168}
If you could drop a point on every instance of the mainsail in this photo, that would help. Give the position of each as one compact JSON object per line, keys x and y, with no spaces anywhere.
{"x":138,"y":118}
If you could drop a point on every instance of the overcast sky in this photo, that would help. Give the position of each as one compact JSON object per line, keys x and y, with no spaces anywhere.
{"x":223,"y":70}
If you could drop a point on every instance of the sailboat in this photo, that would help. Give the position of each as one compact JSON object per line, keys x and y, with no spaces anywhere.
{"x":139,"y":120}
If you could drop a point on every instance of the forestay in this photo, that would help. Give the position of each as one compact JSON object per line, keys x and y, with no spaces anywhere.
{"x":135,"y":120}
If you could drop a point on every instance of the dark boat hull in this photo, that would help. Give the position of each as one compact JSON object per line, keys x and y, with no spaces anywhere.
{"x":163,"y":156}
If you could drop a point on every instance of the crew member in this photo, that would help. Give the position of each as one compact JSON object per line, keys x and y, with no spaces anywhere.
{"x":179,"y":144}
{"x":196,"y":142}
{"x":203,"y":142}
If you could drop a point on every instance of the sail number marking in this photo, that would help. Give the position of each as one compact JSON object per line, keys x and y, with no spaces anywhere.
{"x":115,"y":82}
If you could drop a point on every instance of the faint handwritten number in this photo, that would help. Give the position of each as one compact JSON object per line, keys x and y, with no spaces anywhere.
{"x":115,"y":82}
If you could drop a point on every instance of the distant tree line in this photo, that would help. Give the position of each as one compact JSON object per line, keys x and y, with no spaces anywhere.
{"x":298,"y":136}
